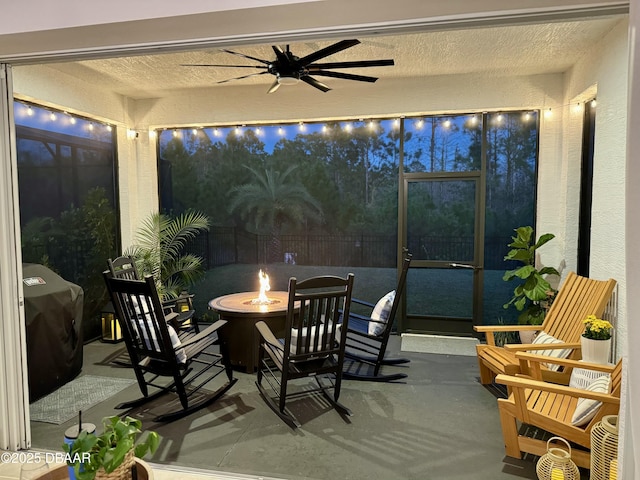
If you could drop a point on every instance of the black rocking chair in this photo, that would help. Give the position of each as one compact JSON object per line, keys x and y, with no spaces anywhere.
{"x":313,"y":344}
{"x":156,"y":350}
{"x":367,"y":338}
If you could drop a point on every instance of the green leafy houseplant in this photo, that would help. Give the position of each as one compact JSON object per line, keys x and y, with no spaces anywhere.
{"x":108,"y":450}
{"x":533,"y":292}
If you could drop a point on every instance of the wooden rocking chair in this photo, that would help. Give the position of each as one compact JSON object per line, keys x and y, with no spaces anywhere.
{"x":313,"y":345}
{"x":156,"y":350}
{"x":367,"y":345}
{"x":184,"y":318}
{"x":556,"y":409}
{"x":577,"y":298}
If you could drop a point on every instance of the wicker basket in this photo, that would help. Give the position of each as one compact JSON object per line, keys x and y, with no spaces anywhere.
{"x":556,"y":464}
{"x":604,"y":449}
{"x":122,"y":472}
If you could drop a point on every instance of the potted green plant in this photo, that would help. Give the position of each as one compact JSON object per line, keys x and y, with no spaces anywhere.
{"x":98,"y":456}
{"x":533,"y":294}
{"x":158,"y":250}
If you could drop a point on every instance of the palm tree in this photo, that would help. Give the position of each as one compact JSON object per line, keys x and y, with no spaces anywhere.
{"x":159,"y":251}
{"x":272,"y":201}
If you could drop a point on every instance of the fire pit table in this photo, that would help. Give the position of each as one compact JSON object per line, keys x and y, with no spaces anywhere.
{"x":242,"y":311}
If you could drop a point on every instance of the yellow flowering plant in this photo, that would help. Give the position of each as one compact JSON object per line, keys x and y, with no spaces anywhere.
{"x":596,"y":328}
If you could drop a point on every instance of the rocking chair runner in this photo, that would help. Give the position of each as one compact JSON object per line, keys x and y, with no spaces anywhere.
{"x":156,"y":350}
{"x":367,"y":339}
{"x":313,"y":344}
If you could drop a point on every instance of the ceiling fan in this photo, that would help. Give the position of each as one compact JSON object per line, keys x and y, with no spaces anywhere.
{"x":290,"y":69}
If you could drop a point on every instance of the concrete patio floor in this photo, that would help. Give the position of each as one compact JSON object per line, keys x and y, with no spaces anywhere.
{"x":439,"y":423}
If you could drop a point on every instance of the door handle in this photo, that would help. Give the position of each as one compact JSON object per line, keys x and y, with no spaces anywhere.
{"x":465,"y":266}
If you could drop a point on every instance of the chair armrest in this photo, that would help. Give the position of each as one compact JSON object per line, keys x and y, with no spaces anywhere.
{"x":565,"y":362}
{"x":204,"y":333}
{"x":362,"y":302}
{"x":268,"y":336}
{"x":505,"y":328}
{"x":489,"y":330}
{"x":523,"y":382}
{"x":541,"y":346}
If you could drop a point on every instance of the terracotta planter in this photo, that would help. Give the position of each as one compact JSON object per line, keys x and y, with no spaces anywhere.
{"x":61,"y":472}
{"x":595,"y":351}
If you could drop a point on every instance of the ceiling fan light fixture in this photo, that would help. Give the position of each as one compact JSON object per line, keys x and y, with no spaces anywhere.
{"x":287,"y":80}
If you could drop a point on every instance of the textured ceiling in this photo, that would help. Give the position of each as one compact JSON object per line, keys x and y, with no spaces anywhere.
{"x":511,"y":50}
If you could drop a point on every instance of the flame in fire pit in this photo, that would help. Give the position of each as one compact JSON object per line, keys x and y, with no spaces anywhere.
{"x":264,"y":288}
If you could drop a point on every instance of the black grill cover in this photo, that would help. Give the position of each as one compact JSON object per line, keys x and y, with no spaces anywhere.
{"x":53,"y":314}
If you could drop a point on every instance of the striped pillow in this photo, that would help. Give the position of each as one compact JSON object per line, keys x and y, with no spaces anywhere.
{"x":544,"y":338}
{"x":586,"y":408}
{"x":381,"y":313}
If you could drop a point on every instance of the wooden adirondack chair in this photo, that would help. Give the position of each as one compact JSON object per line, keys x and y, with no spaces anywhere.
{"x":578,"y":297}
{"x":551,"y":407}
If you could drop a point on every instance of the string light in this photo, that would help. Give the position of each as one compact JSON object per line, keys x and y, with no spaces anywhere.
{"x":420,"y":123}
{"x":109,"y":128}
{"x":175,"y":134}
{"x":29,"y":111}
{"x":52,"y":116}
{"x":302,"y":127}
{"x":547,"y":113}
{"x":593,"y":103}
{"x":90,"y":127}
{"x":348,"y":127}
{"x":281,"y":131}
{"x":446,"y":123}
{"x":194,"y":131}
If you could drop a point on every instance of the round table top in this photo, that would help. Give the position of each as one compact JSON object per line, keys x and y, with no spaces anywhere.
{"x":245,"y":303}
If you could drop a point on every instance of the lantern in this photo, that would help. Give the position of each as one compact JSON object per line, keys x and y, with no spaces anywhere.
{"x":604,"y":449}
{"x":111,"y":332}
{"x":556,"y":464}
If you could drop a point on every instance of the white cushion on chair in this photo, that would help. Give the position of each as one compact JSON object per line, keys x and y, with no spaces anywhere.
{"x":586,"y":408}
{"x":381,"y":313}
{"x":144,"y":317}
{"x":295,"y":333}
{"x":544,"y":338}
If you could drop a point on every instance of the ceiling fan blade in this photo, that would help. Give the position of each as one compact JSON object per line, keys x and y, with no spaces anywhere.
{"x":274,"y":87}
{"x":345,"y":76}
{"x":314,"y":83}
{"x":216,"y":65}
{"x":325,"y":52}
{"x":244,"y":76}
{"x":356,"y":64}
{"x":280,"y":54}
{"x":266,"y":62}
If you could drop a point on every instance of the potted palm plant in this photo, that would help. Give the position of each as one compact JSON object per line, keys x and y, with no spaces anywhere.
{"x":158,"y":250}
{"x":533,"y":293}
{"x":111,"y":454}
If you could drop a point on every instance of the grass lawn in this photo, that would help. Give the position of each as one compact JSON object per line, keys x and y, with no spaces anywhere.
{"x":443,"y":289}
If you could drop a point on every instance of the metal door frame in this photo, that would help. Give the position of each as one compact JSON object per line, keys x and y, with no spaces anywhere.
{"x":407,"y":320}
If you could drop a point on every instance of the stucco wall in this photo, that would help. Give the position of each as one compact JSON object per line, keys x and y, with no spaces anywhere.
{"x":606,"y":68}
